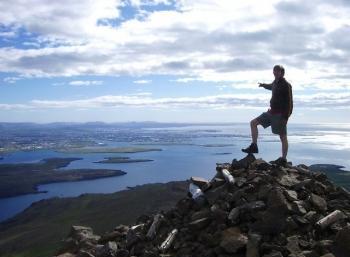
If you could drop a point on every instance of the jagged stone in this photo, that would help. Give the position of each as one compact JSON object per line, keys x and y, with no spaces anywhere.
{"x":310,"y":254}
{"x":293,"y":245}
{"x":243,"y":163}
{"x":291,"y":195}
{"x":200,"y":214}
{"x":303,"y":184}
{"x":199,"y":224}
{"x":233,"y":240}
{"x":66,"y":255}
{"x":342,"y":240}
{"x":324,"y":246}
{"x":81,"y":233}
{"x":240,"y":181}
{"x":299,"y":207}
{"x":285,"y":211}
{"x":217,"y":182}
{"x":328,"y":255}
{"x":253,"y":245}
{"x":253,"y":206}
{"x":318,"y":202}
{"x":274,"y":254}
{"x":260,"y":164}
{"x":234,"y":215}
{"x":122,"y":253}
{"x":83,"y":253}
{"x":213,"y":195}
{"x":110,"y":236}
{"x":311,"y":216}
{"x":109,"y":249}
{"x":288,"y":181}
{"x":200,"y":182}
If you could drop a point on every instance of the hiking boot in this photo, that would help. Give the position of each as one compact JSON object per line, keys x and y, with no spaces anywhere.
{"x":280,"y":161}
{"x":253,"y":148}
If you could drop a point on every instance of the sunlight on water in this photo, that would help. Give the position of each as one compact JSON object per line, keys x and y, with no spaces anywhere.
{"x":186,"y":151}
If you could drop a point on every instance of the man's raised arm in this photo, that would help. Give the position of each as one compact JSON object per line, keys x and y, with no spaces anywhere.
{"x":266,"y":86}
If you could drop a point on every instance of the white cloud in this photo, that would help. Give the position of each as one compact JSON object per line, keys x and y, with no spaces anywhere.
{"x":142,"y":81}
{"x":223,"y":101}
{"x":11,"y":80}
{"x":85,"y":83}
{"x":218,"y":41}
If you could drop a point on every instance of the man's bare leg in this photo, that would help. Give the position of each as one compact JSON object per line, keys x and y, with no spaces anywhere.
{"x":284,"y":142}
{"x":254,"y":130}
{"x":253,"y":148}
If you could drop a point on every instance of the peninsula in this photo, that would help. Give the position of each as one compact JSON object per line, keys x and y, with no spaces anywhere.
{"x":23,"y":178}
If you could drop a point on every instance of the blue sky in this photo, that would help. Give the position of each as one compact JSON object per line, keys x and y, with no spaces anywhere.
{"x":171,"y":61}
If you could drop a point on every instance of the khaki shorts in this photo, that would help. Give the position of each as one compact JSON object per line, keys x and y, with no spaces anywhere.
{"x":277,"y":123}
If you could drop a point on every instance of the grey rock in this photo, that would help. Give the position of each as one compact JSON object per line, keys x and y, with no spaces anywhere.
{"x":288,"y":181}
{"x":293,"y":245}
{"x":82,"y":233}
{"x":342,"y":240}
{"x":253,"y":245}
{"x":311,"y":216}
{"x":274,"y":254}
{"x":328,"y":255}
{"x":200,"y":182}
{"x":214,"y":194}
{"x":240,"y":181}
{"x":109,"y":249}
{"x":66,"y":255}
{"x":199,"y":224}
{"x":291,"y":195}
{"x":243,"y":163}
{"x":233,"y":240}
{"x":310,"y":254}
{"x":234,"y":215}
{"x":299,"y":207}
{"x":200,"y":214}
{"x":318,"y":202}
{"x":253,"y":206}
{"x":83,"y":253}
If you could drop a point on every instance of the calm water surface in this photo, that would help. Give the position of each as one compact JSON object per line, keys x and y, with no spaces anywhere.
{"x":186,"y":151}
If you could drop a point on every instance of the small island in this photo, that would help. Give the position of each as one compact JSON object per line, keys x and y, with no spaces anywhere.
{"x":122,"y":160}
{"x":85,"y":150}
{"x":24,"y":178}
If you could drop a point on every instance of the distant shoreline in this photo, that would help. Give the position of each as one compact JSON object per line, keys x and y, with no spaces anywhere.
{"x":122,"y":160}
{"x":107,"y":150}
{"x":25,"y":178}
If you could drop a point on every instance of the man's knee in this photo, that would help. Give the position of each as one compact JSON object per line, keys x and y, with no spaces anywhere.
{"x":254,"y":123}
{"x":283,"y":137}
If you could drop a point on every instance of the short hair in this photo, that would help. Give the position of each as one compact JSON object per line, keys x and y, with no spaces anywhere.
{"x":279,"y":67}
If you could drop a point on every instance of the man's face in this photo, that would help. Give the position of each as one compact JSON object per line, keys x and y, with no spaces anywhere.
{"x":277,"y":73}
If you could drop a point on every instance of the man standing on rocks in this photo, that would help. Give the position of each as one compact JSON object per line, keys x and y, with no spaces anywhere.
{"x":281,"y":107}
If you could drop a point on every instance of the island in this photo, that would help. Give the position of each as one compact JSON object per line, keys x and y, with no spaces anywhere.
{"x":122,"y":160}
{"x":24,"y":178}
{"x":41,"y":227}
{"x":335,"y":172}
{"x":84,"y":150}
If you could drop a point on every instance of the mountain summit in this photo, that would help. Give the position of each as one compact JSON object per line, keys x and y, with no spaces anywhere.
{"x":250,"y":208}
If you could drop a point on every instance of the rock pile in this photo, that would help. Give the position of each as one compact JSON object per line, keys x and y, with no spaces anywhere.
{"x":250,"y":208}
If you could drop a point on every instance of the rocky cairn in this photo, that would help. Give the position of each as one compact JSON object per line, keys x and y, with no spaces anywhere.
{"x":250,"y":208}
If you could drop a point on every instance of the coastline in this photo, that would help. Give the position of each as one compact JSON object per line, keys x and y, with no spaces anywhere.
{"x":45,"y":172}
{"x":50,"y":220}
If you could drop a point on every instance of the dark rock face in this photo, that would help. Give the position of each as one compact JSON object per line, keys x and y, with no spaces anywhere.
{"x":267,"y":211}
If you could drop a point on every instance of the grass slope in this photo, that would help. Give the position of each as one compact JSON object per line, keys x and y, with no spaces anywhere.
{"x":37,"y":231}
